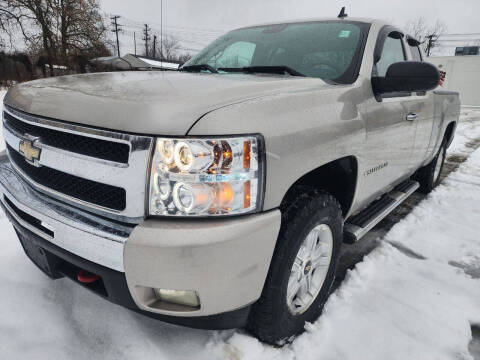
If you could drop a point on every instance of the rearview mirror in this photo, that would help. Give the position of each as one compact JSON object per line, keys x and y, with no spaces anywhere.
{"x":407,"y":76}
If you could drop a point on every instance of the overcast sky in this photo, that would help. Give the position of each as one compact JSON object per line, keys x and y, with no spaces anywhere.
{"x":196,"y":23}
{"x":461,"y":16}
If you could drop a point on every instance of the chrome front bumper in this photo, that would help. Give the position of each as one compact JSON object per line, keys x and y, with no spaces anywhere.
{"x":225,"y":261}
{"x":88,"y":236}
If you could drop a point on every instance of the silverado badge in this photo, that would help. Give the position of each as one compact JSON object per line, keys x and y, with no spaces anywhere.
{"x":30,"y":151}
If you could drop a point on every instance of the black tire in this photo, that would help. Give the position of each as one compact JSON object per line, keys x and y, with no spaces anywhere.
{"x":426,"y":175}
{"x":270,"y":319}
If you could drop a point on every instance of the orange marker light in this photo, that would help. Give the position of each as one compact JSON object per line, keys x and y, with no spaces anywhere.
{"x":247,"y":147}
{"x":246,"y":194}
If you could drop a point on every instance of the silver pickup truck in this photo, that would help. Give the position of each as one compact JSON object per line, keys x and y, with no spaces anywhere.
{"x":220,"y":195}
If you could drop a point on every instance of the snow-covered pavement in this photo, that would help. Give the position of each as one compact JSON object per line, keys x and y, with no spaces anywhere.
{"x":414,"y":297}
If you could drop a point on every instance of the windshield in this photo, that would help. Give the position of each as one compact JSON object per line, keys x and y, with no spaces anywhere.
{"x":329,"y":50}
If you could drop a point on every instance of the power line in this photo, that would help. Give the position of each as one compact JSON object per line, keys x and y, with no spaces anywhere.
{"x":116,"y":30}
{"x":132,"y":22}
{"x":466,"y":34}
{"x":459,"y":40}
{"x":192,"y":39}
{"x":161,"y":29}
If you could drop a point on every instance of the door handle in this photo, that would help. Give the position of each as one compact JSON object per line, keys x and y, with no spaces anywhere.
{"x":412,"y":117}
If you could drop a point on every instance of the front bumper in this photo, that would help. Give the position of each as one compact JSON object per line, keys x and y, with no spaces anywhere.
{"x":79,"y":232}
{"x":224,"y":261}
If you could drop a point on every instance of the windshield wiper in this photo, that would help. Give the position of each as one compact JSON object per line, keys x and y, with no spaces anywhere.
{"x":277,"y":69}
{"x":199,"y":67}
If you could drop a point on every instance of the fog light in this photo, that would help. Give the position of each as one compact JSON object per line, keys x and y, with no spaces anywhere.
{"x":179,"y":297}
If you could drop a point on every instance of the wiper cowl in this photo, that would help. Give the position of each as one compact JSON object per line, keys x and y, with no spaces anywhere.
{"x":277,"y":69}
{"x":198,"y":68}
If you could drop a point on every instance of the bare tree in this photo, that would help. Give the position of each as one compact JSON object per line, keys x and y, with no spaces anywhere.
{"x":426,"y":34}
{"x":11,"y":19}
{"x":60,"y":29}
{"x":41,"y":15}
{"x":184,"y":57}
{"x":170,"y":45}
{"x":80,"y":27}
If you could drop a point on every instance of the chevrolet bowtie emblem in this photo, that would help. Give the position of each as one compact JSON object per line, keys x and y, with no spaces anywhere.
{"x":30,"y":151}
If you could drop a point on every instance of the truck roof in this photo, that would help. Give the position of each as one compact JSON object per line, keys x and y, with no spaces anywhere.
{"x":347,"y":19}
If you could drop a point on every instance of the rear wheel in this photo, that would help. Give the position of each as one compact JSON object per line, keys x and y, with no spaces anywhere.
{"x":429,"y":175}
{"x":302,"y":269}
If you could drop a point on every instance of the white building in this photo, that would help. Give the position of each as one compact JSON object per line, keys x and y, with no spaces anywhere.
{"x":462,"y":74}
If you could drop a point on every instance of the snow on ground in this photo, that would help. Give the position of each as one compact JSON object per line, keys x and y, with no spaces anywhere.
{"x":468,"y":132}
{"x":414,"y":300}
{"x":414,"y":297}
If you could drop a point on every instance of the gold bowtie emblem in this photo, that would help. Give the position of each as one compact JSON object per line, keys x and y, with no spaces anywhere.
{"x":29,"y":151}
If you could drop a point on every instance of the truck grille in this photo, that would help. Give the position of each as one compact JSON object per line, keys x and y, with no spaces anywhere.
{"x":102,"y":149}
{"x":86,"y":190}
{"x":100,"y":171}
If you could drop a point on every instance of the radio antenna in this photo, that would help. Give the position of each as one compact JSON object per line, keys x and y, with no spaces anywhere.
{"x":342,"y":14}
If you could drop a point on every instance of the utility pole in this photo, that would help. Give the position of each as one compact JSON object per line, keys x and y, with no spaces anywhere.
{"x":431,"y":44}
{"x":154,"y":46}
{"x":146,"y":38}
{"x":161,"y":30}
{"x":116,"y":30}
{"x":135,"y":42}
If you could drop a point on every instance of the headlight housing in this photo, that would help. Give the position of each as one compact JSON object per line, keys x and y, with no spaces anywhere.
{"x":207,"y":177}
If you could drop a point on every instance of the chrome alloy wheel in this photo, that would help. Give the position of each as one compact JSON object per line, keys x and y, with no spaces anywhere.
{"x":438,"y":166}
{"x":309,"y":269}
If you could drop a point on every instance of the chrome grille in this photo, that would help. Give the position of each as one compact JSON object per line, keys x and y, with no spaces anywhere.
{"x":107,"y":196}
{"x":101,"y":171}
{"x":102,"y":149}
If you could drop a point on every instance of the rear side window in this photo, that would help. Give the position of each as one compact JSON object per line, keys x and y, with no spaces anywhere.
{"x":416,"y":54}
{"x":392,"y":52}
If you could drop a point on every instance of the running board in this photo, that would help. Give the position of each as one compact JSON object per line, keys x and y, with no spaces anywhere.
{"x":358,"y":225}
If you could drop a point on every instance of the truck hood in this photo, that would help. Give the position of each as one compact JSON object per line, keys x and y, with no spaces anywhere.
{"x":153,"y":103}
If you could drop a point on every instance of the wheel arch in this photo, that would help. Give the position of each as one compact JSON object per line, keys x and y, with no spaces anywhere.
{"x":449,"y":133}
{"x":338,"y":178}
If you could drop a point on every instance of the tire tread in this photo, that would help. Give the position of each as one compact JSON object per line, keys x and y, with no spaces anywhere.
{"x":262,"y":320}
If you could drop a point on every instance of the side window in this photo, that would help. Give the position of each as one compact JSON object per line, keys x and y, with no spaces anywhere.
{"x":416,"y":54}
{"x":392,"y":52}
{"x":236,"y":55}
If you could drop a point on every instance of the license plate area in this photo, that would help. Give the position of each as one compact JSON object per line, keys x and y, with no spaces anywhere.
{"x":53,"y":261}
{"x":45,"y":261}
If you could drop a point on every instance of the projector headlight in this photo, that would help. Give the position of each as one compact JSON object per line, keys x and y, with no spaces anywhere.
{"x":207,"y":177}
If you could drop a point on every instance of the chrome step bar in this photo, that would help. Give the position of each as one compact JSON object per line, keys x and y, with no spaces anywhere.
{"x":357,"y":226}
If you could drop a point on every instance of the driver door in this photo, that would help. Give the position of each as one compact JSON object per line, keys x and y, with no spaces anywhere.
{"x":390,"y":133}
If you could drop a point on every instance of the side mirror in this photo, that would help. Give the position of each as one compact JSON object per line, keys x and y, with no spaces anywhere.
{"x":407,"y":76}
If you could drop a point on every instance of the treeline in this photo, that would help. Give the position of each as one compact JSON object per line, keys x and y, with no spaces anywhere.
{"x":56,"y":32}
{"x":60,"y":37}
{"x":19,"y":67}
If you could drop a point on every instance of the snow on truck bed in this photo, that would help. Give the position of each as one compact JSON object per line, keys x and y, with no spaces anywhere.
{"x":414,"y":297}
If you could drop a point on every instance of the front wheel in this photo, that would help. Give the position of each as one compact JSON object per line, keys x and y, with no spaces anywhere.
{"x":302,"y":269}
